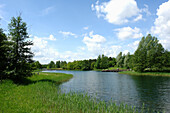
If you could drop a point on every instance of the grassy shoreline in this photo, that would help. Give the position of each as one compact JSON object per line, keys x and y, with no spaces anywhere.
{"x":40,"y":93}
{"x":146,"y":73}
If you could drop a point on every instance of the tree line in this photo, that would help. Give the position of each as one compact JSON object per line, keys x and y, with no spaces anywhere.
{"x":15,"y":50}
{"x":149,"y":56}
{"x":102,"y":62}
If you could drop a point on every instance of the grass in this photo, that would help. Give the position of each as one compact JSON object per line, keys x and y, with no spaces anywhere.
{"x":40,"y":93}
{"x":112,"y":68}
{"x":146,"y":73}
{"x":55,"y":69}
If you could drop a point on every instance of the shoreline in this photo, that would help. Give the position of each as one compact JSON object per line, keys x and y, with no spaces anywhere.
{"x":123,"y":71}
{"x":163,"y":74}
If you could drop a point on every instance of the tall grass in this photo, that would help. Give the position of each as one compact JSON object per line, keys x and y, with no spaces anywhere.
{"x":41,"y":94}
{"x":146,"y":73}
{"x":112,"y":68}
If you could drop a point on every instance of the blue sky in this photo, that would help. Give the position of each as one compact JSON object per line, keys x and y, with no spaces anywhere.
{"x":82,"y":29}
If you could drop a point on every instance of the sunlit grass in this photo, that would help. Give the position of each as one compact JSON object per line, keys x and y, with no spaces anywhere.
{"x":41,"y":94}
{"x":146,"y":73}
{"x":112,"y":68}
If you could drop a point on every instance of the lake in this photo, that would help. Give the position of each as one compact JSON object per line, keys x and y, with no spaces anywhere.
{"x":121,"y":88}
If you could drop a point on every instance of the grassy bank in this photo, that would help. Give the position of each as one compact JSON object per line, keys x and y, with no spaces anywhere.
{"x":40,"y":93}
{"x":112,"y":68}
{"x":146,"y":73}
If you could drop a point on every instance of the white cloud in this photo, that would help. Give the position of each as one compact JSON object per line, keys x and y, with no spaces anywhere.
{"x":125,"y":52}
{"x":94,"y":42}
{"x":47,"y":10}
{"x":139,"y":17}
{"x":67,"y":34}
{"x":134,"y":45}
{"x":128,"y":32}
{"x":45,"y":53}
{"x":112,"y":51}
{"x":146,"y":10}
{"x":86,"y":28}
{"x":96,"y":45}
{"x":117,"y":11}
{"x":162,"y":24}
{"x":42,"y":51}
{"x":51,"y":37}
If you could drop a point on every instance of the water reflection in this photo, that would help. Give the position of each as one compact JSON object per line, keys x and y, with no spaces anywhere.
{"x":153,"y":91}
{"x":132,"y":90}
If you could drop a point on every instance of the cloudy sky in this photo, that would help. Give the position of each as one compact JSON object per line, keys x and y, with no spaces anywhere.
{"x":82,"y":29}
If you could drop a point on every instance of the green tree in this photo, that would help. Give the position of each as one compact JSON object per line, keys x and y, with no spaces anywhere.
{"x":21,"y":52}
{"x":51,"y":65}
{"x":57,"y":64}
{"x":104,"y":62}
{"x":70,"y":66}
{"x":97,"y":64}
{"x":149,"y":55}
{"x":85,"y":65}
{"x":4,"y":55}
{"x":166,"y":60}
{"x":120,"y":59}
{"x":131,"y":61}
{"x":92,"y":65}
{"x":63,"y":64}
{"x":38,"y":65}
{"x":127,"y":61}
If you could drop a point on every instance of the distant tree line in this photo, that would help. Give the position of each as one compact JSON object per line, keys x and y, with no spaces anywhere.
{"x":15,"y":53}
{"x":102,"y":62}
{"x":149,"y":56}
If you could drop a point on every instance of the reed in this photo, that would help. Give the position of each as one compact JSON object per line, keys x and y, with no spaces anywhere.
{"x":146,"y":73}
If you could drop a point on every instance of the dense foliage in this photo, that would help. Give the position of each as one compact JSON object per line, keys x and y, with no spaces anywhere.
{"x":100,"y":63}
{"x":4,"y":54}
{"x":16,"y":55}
{"x":150,"y":55}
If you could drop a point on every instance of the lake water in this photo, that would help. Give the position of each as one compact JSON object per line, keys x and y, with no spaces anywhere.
{"x":131,"y":90}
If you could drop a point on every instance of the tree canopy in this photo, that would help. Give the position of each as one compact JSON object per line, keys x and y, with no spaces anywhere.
{"x":149,"y":55}
{"x":21,"y":52}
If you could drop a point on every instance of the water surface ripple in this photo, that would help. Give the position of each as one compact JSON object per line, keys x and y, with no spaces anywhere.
{"x":131,"y":90}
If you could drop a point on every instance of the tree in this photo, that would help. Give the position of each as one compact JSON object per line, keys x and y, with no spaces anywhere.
{"x":70,"y":66}
{"x":51,"y":65}
{"x":149,"y":55}
{"x":97,"y":64}
{"x":4,"y":55}
{"x":120,"y":59}
{"x":139,"y":59}
{"x":38,"y":65}
{"x":57,"y":64}
{"x":63,"y":64}
{"x":112,"y":62}
{"x":166,"y":60}
{"x":21,"y":52}
{"x":104,"y":62}
{"x":92,"y":65}
{"x":127,"y":61}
